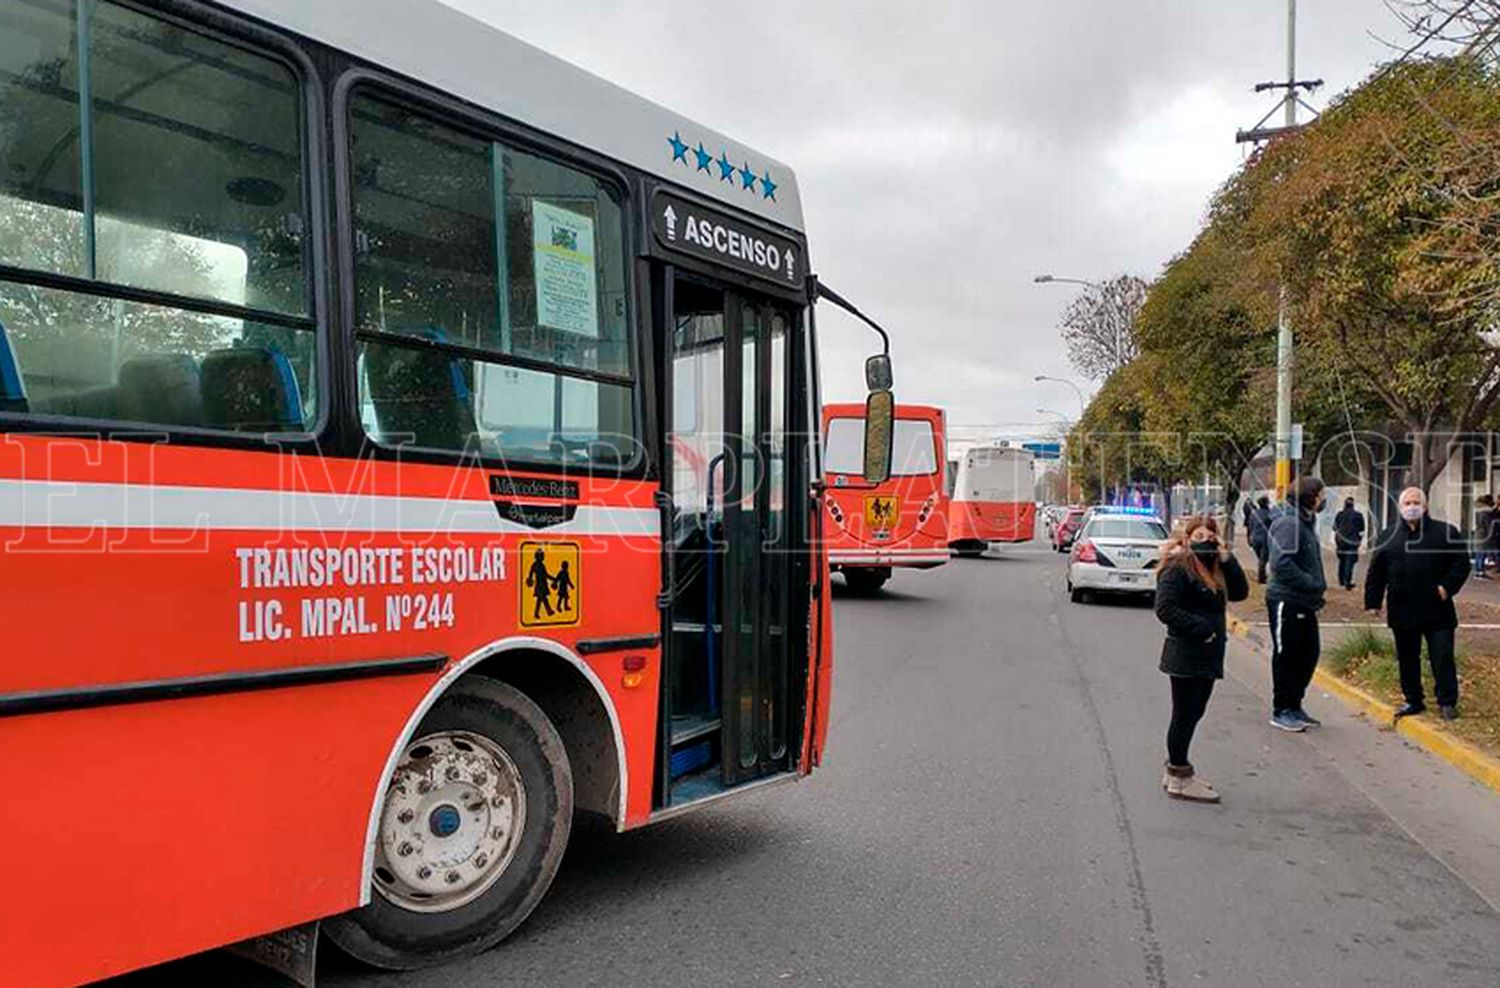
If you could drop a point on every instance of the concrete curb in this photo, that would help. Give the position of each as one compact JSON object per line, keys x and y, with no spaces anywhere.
{"x":1476,"y":764}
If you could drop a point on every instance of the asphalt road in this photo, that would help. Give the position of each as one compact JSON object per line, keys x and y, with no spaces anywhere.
{"x":990,"y":814}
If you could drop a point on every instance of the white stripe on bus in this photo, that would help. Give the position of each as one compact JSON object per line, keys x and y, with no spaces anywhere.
{"x":60,"y":504}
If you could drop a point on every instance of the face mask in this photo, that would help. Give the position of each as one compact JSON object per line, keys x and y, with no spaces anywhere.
{"x":1204,"y":550}
{"x":1412,"y":512}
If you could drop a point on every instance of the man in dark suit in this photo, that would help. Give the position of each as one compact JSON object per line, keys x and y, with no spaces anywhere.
{"x":1419,"y":565}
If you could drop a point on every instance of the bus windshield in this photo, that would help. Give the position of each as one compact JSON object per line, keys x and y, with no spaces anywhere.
{"x":1000,"y":475}
{"x":913,"y":447}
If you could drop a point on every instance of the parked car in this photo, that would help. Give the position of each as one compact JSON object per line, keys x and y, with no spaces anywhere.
{"x":1066,"y":530}
{"x":1116,"y":552}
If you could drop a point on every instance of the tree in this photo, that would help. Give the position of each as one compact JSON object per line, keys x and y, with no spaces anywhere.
{"x":1099,"y":326}
{"x":1471,"y":26}
{"x":1214,"y":362}
{"x":1370,"y":218}
{"x":1111,"y":444}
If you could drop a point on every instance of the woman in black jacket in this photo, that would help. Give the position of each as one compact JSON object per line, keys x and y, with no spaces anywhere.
{"x":1198,"y":575}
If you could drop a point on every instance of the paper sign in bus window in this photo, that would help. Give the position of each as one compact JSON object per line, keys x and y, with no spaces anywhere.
{"x":551,"y":584}
{"x":563,"y":255}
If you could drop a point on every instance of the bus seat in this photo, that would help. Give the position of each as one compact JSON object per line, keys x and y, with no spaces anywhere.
{"x":161,"y":387}
{"x":250,"y":389}
{"x":420,"y":394}
{"x":12,"y":387}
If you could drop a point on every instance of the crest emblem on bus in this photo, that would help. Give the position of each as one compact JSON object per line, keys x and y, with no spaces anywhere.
{"x":551,"y":591}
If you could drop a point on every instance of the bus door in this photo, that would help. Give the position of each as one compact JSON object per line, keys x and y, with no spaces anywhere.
{"x":727,"y":685}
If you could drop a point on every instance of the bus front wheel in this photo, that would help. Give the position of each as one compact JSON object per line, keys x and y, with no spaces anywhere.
{"x":476,"y":818}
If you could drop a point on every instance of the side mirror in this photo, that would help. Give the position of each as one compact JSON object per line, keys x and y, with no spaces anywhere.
{"x":880,"y":420}
{"x":878,"y":372}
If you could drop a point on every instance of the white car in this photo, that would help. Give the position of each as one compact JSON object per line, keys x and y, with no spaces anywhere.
{"x":1116,"y":552}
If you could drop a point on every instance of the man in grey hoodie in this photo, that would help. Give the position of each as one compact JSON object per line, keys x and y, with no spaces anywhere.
{"x":1293,"y":598}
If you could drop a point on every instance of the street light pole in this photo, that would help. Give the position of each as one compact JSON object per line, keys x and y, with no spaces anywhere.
{"x":1082,"y":404}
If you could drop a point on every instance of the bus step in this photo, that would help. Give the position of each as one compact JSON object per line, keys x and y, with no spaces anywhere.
{"x":691,"y":759}
{"x":691,"y":727}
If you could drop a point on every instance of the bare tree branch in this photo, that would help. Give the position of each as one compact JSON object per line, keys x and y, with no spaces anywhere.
{"x":1099,"y":327}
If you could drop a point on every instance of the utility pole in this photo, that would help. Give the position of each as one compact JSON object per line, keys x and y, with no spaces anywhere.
{"x":1260,"y":132}
{"x":1283,"y":324}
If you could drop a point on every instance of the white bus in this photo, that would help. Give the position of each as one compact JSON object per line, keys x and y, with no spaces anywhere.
{"x":993,"y":497}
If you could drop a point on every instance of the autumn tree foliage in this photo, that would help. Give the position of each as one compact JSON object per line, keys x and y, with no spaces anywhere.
{"x":1380,"y":221}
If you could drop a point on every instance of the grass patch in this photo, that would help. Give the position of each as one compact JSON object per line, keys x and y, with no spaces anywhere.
{"x":1357,"y":646}
{"x":1366,"y":657}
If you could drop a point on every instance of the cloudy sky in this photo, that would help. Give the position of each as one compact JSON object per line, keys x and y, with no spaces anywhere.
{"x":948,"y":151}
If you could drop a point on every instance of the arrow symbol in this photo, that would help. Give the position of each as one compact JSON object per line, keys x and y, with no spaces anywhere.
{"x":791,"y":262}
{"x":671,"y":217}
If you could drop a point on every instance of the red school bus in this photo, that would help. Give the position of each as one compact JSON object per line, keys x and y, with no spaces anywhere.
{"x":406,"y":443}
{"x":993,"y":491}
{"x":899,"y":523}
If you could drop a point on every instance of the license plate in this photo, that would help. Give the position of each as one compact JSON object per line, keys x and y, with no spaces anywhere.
{"x":1131,"y":578}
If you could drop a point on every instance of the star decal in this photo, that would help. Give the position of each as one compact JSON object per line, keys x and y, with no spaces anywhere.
{"x":748,"y":177}
{"x":767,"y":186}
{"x":704,"y":158}
{"x":726,"y":167}
{"x":679,"y":149}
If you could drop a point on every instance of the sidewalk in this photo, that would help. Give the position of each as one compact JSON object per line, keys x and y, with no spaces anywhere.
{"x":1444,"y":809}
{"x":1365,"y":676}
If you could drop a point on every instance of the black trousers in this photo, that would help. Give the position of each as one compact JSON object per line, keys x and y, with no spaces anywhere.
{"x":1439,"y":655}
{"x":1294,"y":653}
{"x":1262,"y":556}
{"x":1347,"y":559}
{"x":1189,"y":699}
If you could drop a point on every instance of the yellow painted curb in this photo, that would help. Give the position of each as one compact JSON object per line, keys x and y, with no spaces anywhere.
{"x":1460,"y":754}
{"x":1476,"y":764}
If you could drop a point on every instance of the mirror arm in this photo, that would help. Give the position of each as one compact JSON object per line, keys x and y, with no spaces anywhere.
{"x":820,"y":290}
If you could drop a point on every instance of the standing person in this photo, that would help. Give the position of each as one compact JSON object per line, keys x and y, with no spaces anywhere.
{"x":1484,"y":536}
{"x":1198,"y":575}
{"x":1418,"y":567}
{"x":540,"y":581}
{"x":1293,"y":599}
{"x":1247,"y":511}
{"x":1348,"y":533}
{"x":1260,"y":529}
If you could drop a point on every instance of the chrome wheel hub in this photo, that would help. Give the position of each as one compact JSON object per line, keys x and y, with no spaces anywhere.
{"x":453,"y":818}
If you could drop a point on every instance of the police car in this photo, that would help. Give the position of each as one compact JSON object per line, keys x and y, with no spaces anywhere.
{"x":1116,"y":552}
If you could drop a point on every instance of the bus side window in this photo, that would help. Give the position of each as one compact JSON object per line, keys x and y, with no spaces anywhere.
{"x":490,"y":289}
{"x":172,"y":168}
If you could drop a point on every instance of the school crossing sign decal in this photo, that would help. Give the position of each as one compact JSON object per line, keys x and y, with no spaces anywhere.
{"x":551,"y":584}
{"x":880,"y":514}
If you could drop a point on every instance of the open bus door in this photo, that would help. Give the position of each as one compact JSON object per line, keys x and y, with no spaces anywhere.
{"x":734,"y":667}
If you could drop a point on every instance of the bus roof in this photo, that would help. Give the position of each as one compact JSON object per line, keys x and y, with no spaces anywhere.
{"x":447,"y":49}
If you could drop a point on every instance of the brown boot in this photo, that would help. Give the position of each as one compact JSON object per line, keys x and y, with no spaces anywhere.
{"x":1182,"y":783}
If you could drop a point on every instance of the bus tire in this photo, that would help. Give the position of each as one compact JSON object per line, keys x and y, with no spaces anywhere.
{"x":481,"y":738}
{"x":866,"y":581}
{"x":970,"y":548}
